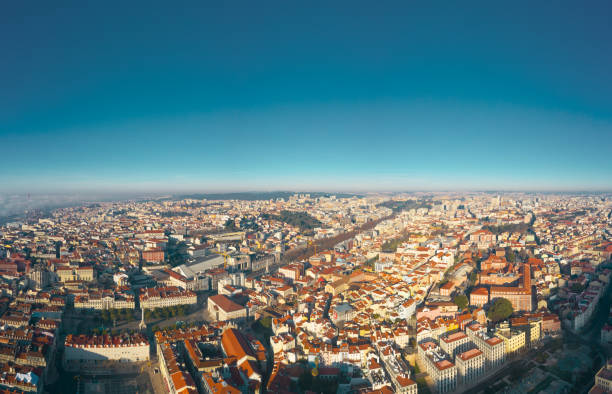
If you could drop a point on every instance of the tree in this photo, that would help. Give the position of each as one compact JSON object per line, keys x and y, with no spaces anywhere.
{"x":461,"y":301}
{"x":105,"y":315}
{"x":473,"y":278}
{"x":266,"y":322}
{"x":230,"y":225}
{"x":183,"y":309}
{"x":501,"y":310}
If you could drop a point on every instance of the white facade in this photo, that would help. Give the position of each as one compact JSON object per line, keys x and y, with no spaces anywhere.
{"x":454,"y":344}
{"x":470,"y":365}
{"x":493,"y":348}
{"x":123,"y":352}
{"x":166,"y":297}
{"x":437,"y":364}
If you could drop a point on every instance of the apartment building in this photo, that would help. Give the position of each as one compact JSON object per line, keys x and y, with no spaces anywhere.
{"x":479,"y":296}
{"x":531,"y":326}
{"x":514,"y":340}
{"x":173,"y":372}
{"x":470,"y":365}
{"x":153,"y":255}
{"x":456,"y":343}
{"x":341,"y":312}
{"x":493,"y":348}
{"x":96,"y":348}
{"x":163,"y":297}
{"x":439,"y":367}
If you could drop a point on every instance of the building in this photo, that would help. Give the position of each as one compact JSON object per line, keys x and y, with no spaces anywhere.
{"x":405,"y":385}
{"x":250,"y":355}
{"x":173,"y":372}
{"x":479,"y":296}
{"x":483,"y":238}
{"x":175,"y":279}
{"x":214,"y":383}
{"x":603,"y":380}
{"x":531,"y":326}
{"x":520,"y":297}
{"x":439,"y":367}
{"x":291,"y":271}
{"x":470,"y":365}
{"x":222,"y":308}
{"x":153,"y":255}
{"x":456,"y":343}
{"x":84,"y":350}
{"x":341,"y":312}
{"x":164,"y":297}
{"x":40,"y":277}
{"x":447,"y":289}
{"x":492,"y":347}
{"x":104,"y":300}
{"x":514,"y":340}
{"x":550,"y":323}
{"x":70,"y":274}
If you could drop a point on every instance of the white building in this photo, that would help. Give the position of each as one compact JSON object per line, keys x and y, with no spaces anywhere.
{"x":104,"y":300}
{"x":470,"y":365}
{"x":222,"y":308}
{"x":89,"y":350}
{"x":492,"y":347}
{"x":164,"y":297}
{"x":437,"y":364}
{"x":456,"y":343}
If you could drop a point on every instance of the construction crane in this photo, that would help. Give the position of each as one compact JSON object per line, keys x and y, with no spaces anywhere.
{"x":313,"y":244}
{"x":225,"y":256}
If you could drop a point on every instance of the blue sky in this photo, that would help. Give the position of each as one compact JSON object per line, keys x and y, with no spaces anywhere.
{"x":318,"y":96}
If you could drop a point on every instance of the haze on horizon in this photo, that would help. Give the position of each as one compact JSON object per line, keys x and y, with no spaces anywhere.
{"x":152,"y":98}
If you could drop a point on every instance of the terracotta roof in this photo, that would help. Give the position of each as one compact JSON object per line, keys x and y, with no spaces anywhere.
{"x":469,"y":354}
{"x":236,"y":345}
{"x":225,"y":303}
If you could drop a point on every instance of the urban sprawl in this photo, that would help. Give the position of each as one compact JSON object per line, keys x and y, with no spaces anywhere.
{"x":455,"y":292}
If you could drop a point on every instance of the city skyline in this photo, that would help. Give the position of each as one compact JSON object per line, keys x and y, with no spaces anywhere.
{"x":284,"y":97}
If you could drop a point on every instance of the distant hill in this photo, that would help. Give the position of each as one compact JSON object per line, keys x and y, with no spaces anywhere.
{"x":254,"y":196}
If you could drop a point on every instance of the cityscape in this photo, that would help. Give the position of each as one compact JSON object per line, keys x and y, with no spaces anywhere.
{"x":440,"y":292}
{"x":311,"y":198}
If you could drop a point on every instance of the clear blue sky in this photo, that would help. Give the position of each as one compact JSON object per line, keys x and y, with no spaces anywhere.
{"x":305,"y":95}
